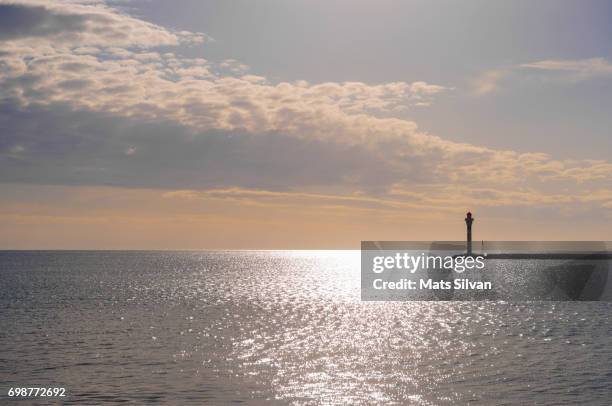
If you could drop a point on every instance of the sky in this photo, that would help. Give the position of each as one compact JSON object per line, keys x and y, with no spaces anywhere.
{"x":306,"y":124}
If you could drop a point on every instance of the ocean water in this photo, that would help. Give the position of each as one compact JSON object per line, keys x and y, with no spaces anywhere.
{"x":281,"y":327}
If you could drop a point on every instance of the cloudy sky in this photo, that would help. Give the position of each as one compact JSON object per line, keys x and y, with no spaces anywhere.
{"x":302,"y":124}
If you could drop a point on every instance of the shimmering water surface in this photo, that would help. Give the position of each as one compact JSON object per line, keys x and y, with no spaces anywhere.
{"x":281,"y":327}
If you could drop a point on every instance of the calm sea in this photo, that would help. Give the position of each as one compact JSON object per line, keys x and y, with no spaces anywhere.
{"x":284,"y":327}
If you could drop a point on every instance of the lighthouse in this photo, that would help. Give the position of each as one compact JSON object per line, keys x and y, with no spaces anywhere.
{"x":468,"y":222}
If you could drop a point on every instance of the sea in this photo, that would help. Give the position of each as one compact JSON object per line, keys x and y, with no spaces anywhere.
{"x":280,"y":327}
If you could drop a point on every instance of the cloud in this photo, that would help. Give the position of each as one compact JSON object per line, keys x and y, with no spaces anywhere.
{"x":70,"y":23}
{"x":152,"y":85}
{"x":99,"y":101}
{"x":107,"y":61}
{"x":488,"y":82}
{"x":57,"y":145}
{"x":584,"y":67}
{"x":571,"y":70}
{"x":19,"y":21}
{"x":422,"y":197}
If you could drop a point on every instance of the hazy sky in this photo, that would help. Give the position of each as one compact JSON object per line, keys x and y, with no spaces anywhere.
{"x":302,"y":124}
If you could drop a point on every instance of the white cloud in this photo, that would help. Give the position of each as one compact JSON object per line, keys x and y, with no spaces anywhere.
{"x":107,"y":63}
{"x":571,"y":70}
{"x":585,"y":67}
